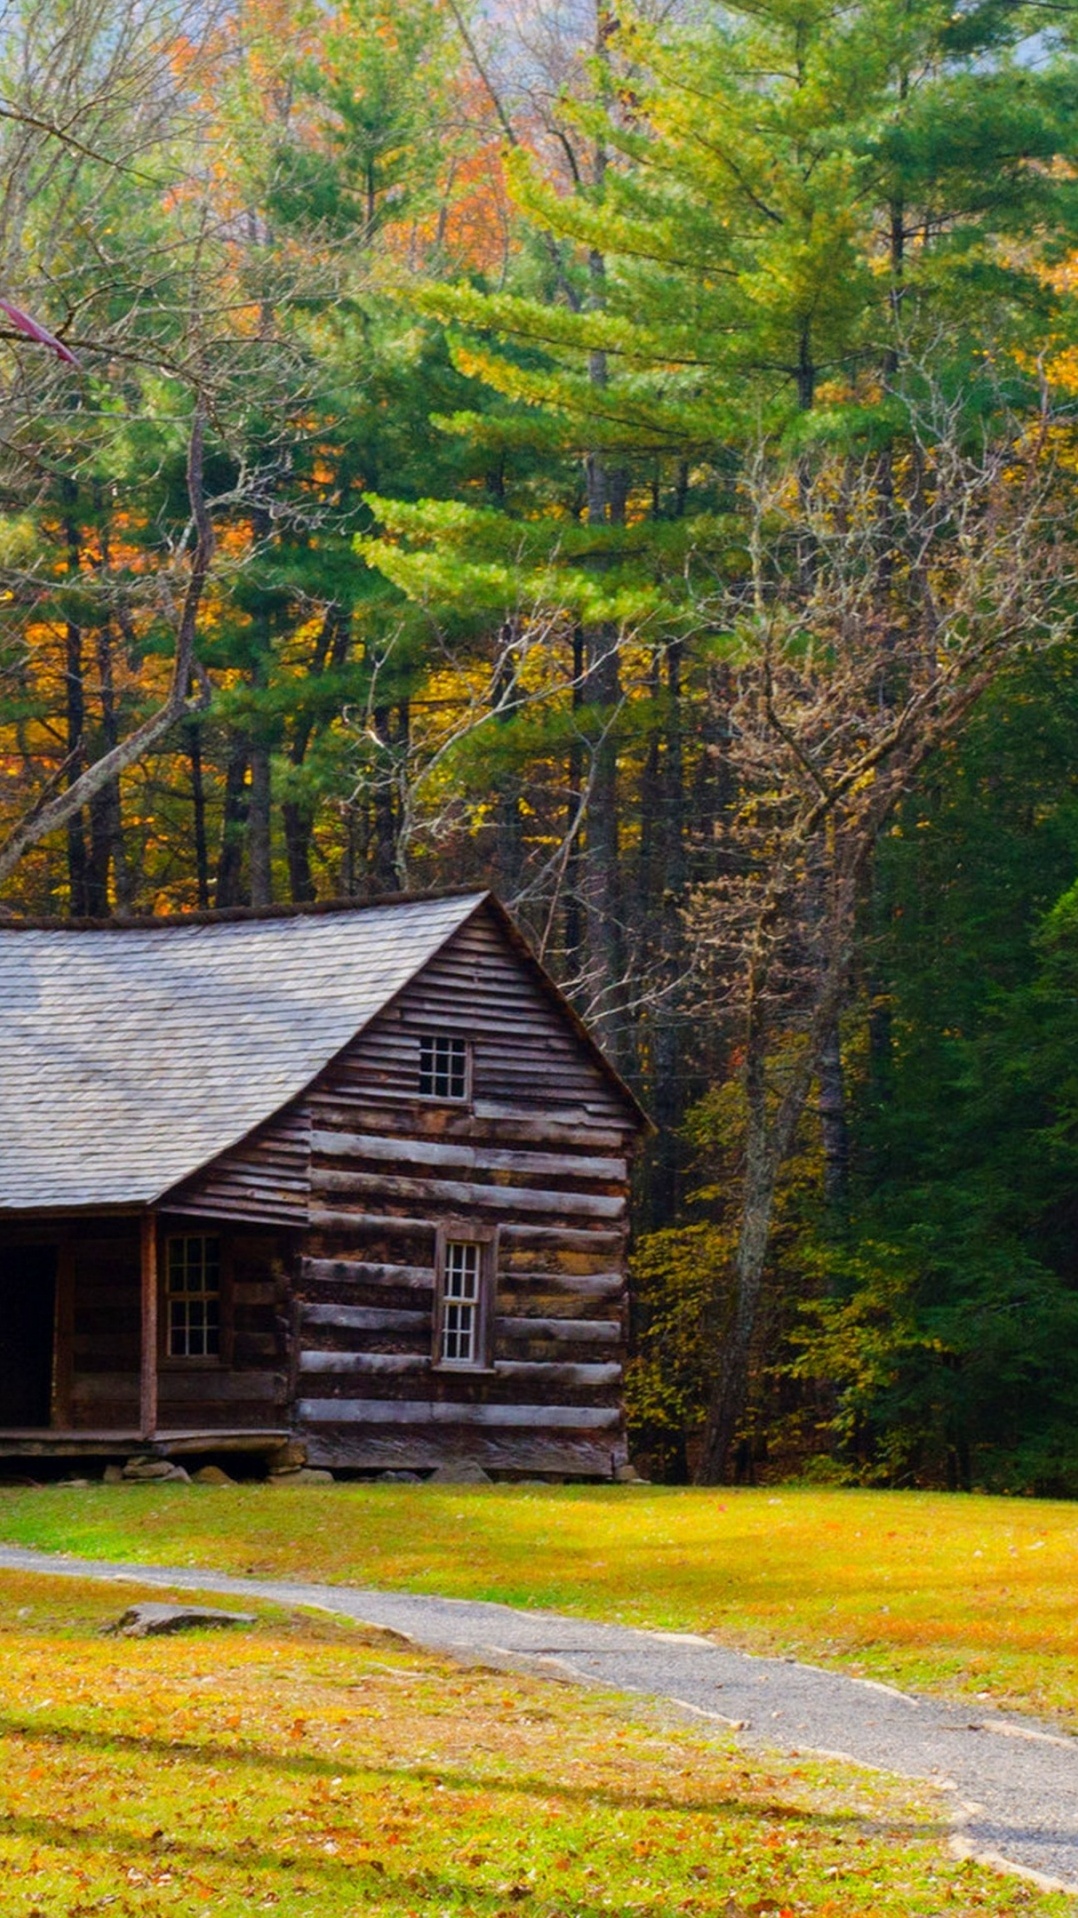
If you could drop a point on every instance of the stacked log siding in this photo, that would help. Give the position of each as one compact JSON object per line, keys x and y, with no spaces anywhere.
{"x":329,"y":1214}
{"x":540,"y":1156}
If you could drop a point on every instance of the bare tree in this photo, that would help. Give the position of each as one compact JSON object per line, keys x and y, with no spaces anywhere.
{"x":876,"y":610}
{"x":186,"y":688}
{"x":115,"y":230}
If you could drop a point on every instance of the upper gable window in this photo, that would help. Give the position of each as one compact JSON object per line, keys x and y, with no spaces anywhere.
{"x":443,"y":1066}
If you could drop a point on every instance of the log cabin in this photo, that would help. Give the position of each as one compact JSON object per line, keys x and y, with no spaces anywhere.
{"x":350,"y":1178}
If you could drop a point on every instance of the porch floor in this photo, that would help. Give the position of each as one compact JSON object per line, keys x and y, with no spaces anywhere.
{"x":35,"y":1442}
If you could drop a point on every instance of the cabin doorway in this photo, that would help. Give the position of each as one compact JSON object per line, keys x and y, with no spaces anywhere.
{"x":27,"y":1332}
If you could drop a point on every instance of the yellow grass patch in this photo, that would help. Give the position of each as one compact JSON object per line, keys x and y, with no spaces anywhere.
{"x":965,"y":1595}
{"x":312,"y":1770}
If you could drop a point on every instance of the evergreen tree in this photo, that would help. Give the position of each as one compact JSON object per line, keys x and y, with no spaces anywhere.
{"x":950,"y":1326}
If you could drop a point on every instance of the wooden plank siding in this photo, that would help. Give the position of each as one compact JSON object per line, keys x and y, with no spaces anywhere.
{"x":539,"y":1154}
{"x":106,"y":1324}
{"x":365,"y":1172}
{"x":265,"y":1177}
{"x":248,"y":1388}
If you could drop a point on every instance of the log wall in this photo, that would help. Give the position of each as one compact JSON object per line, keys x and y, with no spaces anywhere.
{"x":99,"y":1313}
{"x":539,"y":1157}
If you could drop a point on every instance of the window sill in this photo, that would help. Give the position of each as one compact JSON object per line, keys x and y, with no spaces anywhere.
{"x":456,"y":1369}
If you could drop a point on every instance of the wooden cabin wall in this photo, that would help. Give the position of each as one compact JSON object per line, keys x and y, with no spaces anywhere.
{"x":98,"y":1330}
{"x":267,"y":1177}
{"x":252,"y":1389}
{"x":540,"y":1155}
{"x":101,"y":1315}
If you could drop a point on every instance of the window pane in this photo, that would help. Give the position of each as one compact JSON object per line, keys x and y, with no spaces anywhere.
{"x":458,"y":1337}
{"x":194,"y":1285}
{"x":461,"y":1269}
{"x":461,"y":1302}
{"x":443,"y":1066}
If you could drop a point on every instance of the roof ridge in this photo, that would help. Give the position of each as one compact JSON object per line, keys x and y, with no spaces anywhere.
{"x":235,"y":915}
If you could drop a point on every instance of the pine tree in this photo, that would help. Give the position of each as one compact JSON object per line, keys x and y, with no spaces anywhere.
{"x":794,"y":249}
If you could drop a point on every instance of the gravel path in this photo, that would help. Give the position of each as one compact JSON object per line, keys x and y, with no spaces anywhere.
{"x":1013,"y":1783}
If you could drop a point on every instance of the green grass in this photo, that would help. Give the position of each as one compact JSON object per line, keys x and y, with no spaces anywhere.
{"x":961,"y":1595}
{"x":313,"y":1770}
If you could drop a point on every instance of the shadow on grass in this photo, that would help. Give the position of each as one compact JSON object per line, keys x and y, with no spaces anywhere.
{"x":125,"y":1852}
{"x":727,"y":1807}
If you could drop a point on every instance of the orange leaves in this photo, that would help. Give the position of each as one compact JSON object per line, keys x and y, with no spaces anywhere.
{"x":169,"y":1778}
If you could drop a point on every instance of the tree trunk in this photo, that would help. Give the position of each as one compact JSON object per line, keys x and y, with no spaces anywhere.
{"x":75,"y":719}
{"x":834,"y":1124}
{"x":229,"y":888}
{"x":260,"y":799}
{"x":730,"y":1395}
{"x":607,"y":492}
{"x":573,"y":915}
{"x":508,"y":859}
{"x":601,"y":868}
{"x":650,"y":861}
{"x":601,"y":865}
{"x":385,"y":824}
{"x":769,"y":1139}
{"x":259,"y":826}
{"x":298,"y":823}
{"x":668,"y":1095}
{"x":108,"y":851}
{"x":198,"y":805}
{"x":400,"y":848}
{"x":97,"y":865}
{"x":298,"y":813}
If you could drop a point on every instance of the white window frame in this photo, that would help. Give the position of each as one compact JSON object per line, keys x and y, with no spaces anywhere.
{"x":482,"y":1241}
{"x":185,"y":1357}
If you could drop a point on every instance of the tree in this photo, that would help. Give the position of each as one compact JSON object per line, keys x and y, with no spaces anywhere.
{"x":90,"y":120}
{"x":796,"y":233}
{"x":242,"y":298}
{"x":947,"y":1319}
{"x":921,"y":590}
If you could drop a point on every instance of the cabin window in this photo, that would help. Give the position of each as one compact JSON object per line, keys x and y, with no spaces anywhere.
{"x":463,"y":1318}
{"x":443,"y":1066}
{"x":193,"y":1280}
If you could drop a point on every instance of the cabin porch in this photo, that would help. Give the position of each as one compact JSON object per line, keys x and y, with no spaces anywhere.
{"x":124,"y":1331}
{"x":34,"y":1443}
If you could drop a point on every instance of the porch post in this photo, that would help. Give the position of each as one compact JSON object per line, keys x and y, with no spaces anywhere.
{"x":148,"y":1377}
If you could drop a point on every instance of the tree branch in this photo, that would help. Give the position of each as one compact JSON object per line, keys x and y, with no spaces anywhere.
{"x":46,"y":818}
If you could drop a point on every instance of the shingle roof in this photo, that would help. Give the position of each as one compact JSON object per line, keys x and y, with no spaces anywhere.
{"x":130,"y":1057}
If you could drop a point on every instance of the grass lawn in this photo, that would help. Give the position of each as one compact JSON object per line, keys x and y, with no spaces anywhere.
{"x":312,"y":1770}
{"x":956,"y":1594}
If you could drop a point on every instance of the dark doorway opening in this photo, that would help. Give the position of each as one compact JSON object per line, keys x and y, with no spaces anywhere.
{"x":27,"y":1320}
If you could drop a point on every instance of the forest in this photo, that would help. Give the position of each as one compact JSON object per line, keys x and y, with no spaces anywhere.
{"x":627,"y":457}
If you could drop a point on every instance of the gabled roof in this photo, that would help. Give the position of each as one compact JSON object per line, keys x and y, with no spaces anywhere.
{"x":132,"y":1055}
